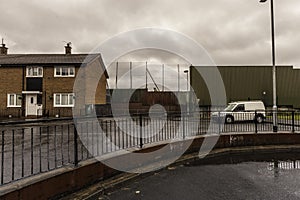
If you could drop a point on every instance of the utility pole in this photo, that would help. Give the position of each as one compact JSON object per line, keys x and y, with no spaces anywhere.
{"x":117,"y":69}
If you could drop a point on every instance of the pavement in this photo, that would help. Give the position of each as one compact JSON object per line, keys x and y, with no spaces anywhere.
{"x":12,"y":121}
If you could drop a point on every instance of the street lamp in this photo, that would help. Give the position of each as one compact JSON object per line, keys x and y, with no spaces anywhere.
{"x":275,"y":127}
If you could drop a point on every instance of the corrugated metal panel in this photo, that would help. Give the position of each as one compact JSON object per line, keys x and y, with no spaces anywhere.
{"x":243,"y":82}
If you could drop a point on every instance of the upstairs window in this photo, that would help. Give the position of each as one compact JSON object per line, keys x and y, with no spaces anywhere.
{"x":34,"y":72}
{"x":64,"y":71}
{"x":14,"y":100}
{"x":64,"y":100}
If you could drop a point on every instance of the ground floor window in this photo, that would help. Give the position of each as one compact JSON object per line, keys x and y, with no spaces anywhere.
{"x":14,"y":100}
{"x":63,"y":100}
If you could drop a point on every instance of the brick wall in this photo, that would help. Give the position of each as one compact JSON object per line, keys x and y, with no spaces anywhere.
{"x":11,"y":82}
{"x":53,"y":85}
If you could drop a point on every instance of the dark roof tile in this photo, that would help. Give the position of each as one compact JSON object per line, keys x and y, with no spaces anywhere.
{"x":27,"y":59}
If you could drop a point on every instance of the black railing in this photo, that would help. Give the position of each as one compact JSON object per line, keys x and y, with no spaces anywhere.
{"x":38,"y":148}
{"x":11,"y":113}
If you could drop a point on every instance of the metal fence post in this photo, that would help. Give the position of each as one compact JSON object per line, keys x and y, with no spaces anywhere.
{"x":183,"y":127}
{"x":75,"y":146}
{"x":293,"y":121}
{"x":55,"y":148}
{"x":40,"y":149}
{"x":31,"y":149}
{"x":141,"y":131}
{"x":219,"y":122}
{"x":255,"y":121}
{"x":13,"y":156}
{"x":23,"y":149}
{"x":48,"y":148}
{"x":2,"y":159}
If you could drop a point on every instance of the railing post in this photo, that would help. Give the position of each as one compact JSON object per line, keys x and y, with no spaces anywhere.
{"x":183,"y":126}
{"x":293,"y":121}
{"x":2,"y":158}
{"x":219,"y":122}
{"x":55,"y":148}
{"x":23,"y":149}
{"x":13,"y":156}
{"x":48,"y":149}
{"x":40,"y":148}
{"x":141,"y":131}
{"x":75,"y":146}
{"x":255,"y":121}
{"x":31,"y":151}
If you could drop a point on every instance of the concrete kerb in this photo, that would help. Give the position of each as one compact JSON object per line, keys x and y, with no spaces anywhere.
{"x":69,"y":179}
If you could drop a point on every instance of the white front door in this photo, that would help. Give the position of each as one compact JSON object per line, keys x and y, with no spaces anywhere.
{"x":31,"y":105}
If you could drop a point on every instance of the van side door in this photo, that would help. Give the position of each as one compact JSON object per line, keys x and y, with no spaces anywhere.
{"x":239,"y":112}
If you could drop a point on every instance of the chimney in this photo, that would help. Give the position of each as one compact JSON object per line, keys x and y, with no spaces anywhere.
{"x":68,"y":48}
{"x":3,"y":49}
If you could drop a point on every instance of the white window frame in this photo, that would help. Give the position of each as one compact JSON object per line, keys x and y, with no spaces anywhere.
{"x":15,"y":100}
{"x":60,"y":99}
{"x":60,"y":70}
{"x":34,"y":67}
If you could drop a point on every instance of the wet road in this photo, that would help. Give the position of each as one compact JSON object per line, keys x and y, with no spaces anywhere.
{"x":250,"y":180}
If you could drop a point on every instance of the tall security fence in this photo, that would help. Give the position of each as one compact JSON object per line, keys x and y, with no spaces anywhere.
{"x":32,"y":149}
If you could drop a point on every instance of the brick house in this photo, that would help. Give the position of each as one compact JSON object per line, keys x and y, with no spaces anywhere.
{"x":42,"y":84}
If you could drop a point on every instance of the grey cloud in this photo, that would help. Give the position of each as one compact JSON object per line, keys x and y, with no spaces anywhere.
{"x":232,"y":31}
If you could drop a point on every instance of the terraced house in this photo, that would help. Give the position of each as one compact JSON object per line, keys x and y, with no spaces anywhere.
{"x":42,"y":84}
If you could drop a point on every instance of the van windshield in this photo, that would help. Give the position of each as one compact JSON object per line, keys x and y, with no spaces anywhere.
{"x":230,"y":107}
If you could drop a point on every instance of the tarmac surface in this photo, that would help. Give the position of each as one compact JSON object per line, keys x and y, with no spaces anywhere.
{"x":243,"y":181}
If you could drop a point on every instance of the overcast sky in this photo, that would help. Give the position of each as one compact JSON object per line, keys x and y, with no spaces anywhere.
{"x":232,"y":31}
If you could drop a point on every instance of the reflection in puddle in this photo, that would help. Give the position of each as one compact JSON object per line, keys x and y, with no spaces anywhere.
{"x":284,"y":165}
{"x":279,"y":163}
{"x":278,"y":166}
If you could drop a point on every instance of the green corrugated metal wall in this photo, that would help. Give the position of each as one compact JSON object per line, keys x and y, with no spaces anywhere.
{"x":250,"y":82}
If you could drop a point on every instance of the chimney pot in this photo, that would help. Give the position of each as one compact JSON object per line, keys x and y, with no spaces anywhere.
{"x":68,"y":48}
{"x":3,"y":50}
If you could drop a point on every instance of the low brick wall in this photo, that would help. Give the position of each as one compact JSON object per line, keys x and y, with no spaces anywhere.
{"x":68,"y":179}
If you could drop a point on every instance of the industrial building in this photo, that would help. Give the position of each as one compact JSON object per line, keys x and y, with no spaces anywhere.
{"x":251,"y":83}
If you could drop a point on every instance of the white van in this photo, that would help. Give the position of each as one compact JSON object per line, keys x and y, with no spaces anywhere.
{"x":243,"y":111}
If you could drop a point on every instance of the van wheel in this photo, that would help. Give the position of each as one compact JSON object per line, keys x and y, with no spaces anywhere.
{"x":229,"y":119}
{"x":259,"y":119}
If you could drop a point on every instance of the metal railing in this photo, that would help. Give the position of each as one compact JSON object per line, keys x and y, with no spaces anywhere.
{"x":36,"y":148}
{"x":11,"y":113}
